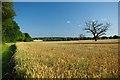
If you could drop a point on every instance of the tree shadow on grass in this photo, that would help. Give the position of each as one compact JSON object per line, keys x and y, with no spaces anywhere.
{"x":8,"y":63}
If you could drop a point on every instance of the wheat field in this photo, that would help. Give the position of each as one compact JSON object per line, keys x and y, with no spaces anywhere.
{"x":66,"y":59}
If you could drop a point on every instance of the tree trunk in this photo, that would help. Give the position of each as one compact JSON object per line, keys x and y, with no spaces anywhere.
{"x":95,"y":38}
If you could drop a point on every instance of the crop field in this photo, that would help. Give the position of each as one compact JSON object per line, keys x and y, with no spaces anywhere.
{"x":67,"y":59}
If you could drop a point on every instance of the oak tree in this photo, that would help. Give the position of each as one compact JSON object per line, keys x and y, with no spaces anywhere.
{"x":96,"y":29}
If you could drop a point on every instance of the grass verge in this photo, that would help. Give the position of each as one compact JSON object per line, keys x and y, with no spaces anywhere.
{"x":8,"y":51}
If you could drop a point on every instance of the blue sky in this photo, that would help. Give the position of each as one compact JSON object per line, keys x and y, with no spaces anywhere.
{"x":64,"y":19}
{"x":61,"y":0}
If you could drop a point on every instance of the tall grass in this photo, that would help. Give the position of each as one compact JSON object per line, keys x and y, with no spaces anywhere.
{"x":53,"y":60}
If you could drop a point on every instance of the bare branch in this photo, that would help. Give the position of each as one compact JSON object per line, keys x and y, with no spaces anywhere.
{"x":97,"y":29}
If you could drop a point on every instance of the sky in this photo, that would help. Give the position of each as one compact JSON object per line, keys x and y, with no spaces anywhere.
{"x":60,"y":0}
{"x":64,"y":19}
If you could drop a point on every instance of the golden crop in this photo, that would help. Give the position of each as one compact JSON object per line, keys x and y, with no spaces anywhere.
{"x":66,"y":60}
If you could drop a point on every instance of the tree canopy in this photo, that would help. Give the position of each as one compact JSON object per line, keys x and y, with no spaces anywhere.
{"x":10,"y":29}
{"x":97,"y":29}
{"x":7,"y":10}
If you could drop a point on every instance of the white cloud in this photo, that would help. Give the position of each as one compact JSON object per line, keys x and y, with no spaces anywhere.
{"x":79,"y":25}
{"x":104,"y":19}
{"x":68,"y":22}
{"x":93,"y":20}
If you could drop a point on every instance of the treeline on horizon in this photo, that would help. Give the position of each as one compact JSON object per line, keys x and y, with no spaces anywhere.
{"x":10,"y":29}
{"x":73,"y":38}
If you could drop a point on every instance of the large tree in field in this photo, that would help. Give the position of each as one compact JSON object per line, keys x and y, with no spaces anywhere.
{"x":96,"y":29}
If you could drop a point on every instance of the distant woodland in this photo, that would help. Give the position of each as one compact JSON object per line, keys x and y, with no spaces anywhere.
{"x":74,"y":38}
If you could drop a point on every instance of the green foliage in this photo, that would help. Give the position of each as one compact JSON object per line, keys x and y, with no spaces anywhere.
{"x":63,"y":38}
{"x":104,"y":37}
{"x":21,"y":36}
{"x":115,"y":37}
{"x":73,"y":38}
{"x":7,"y":10}
{"x":27,"y":38}
{"x":8,"y":51}
{"x":10,"y":29}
